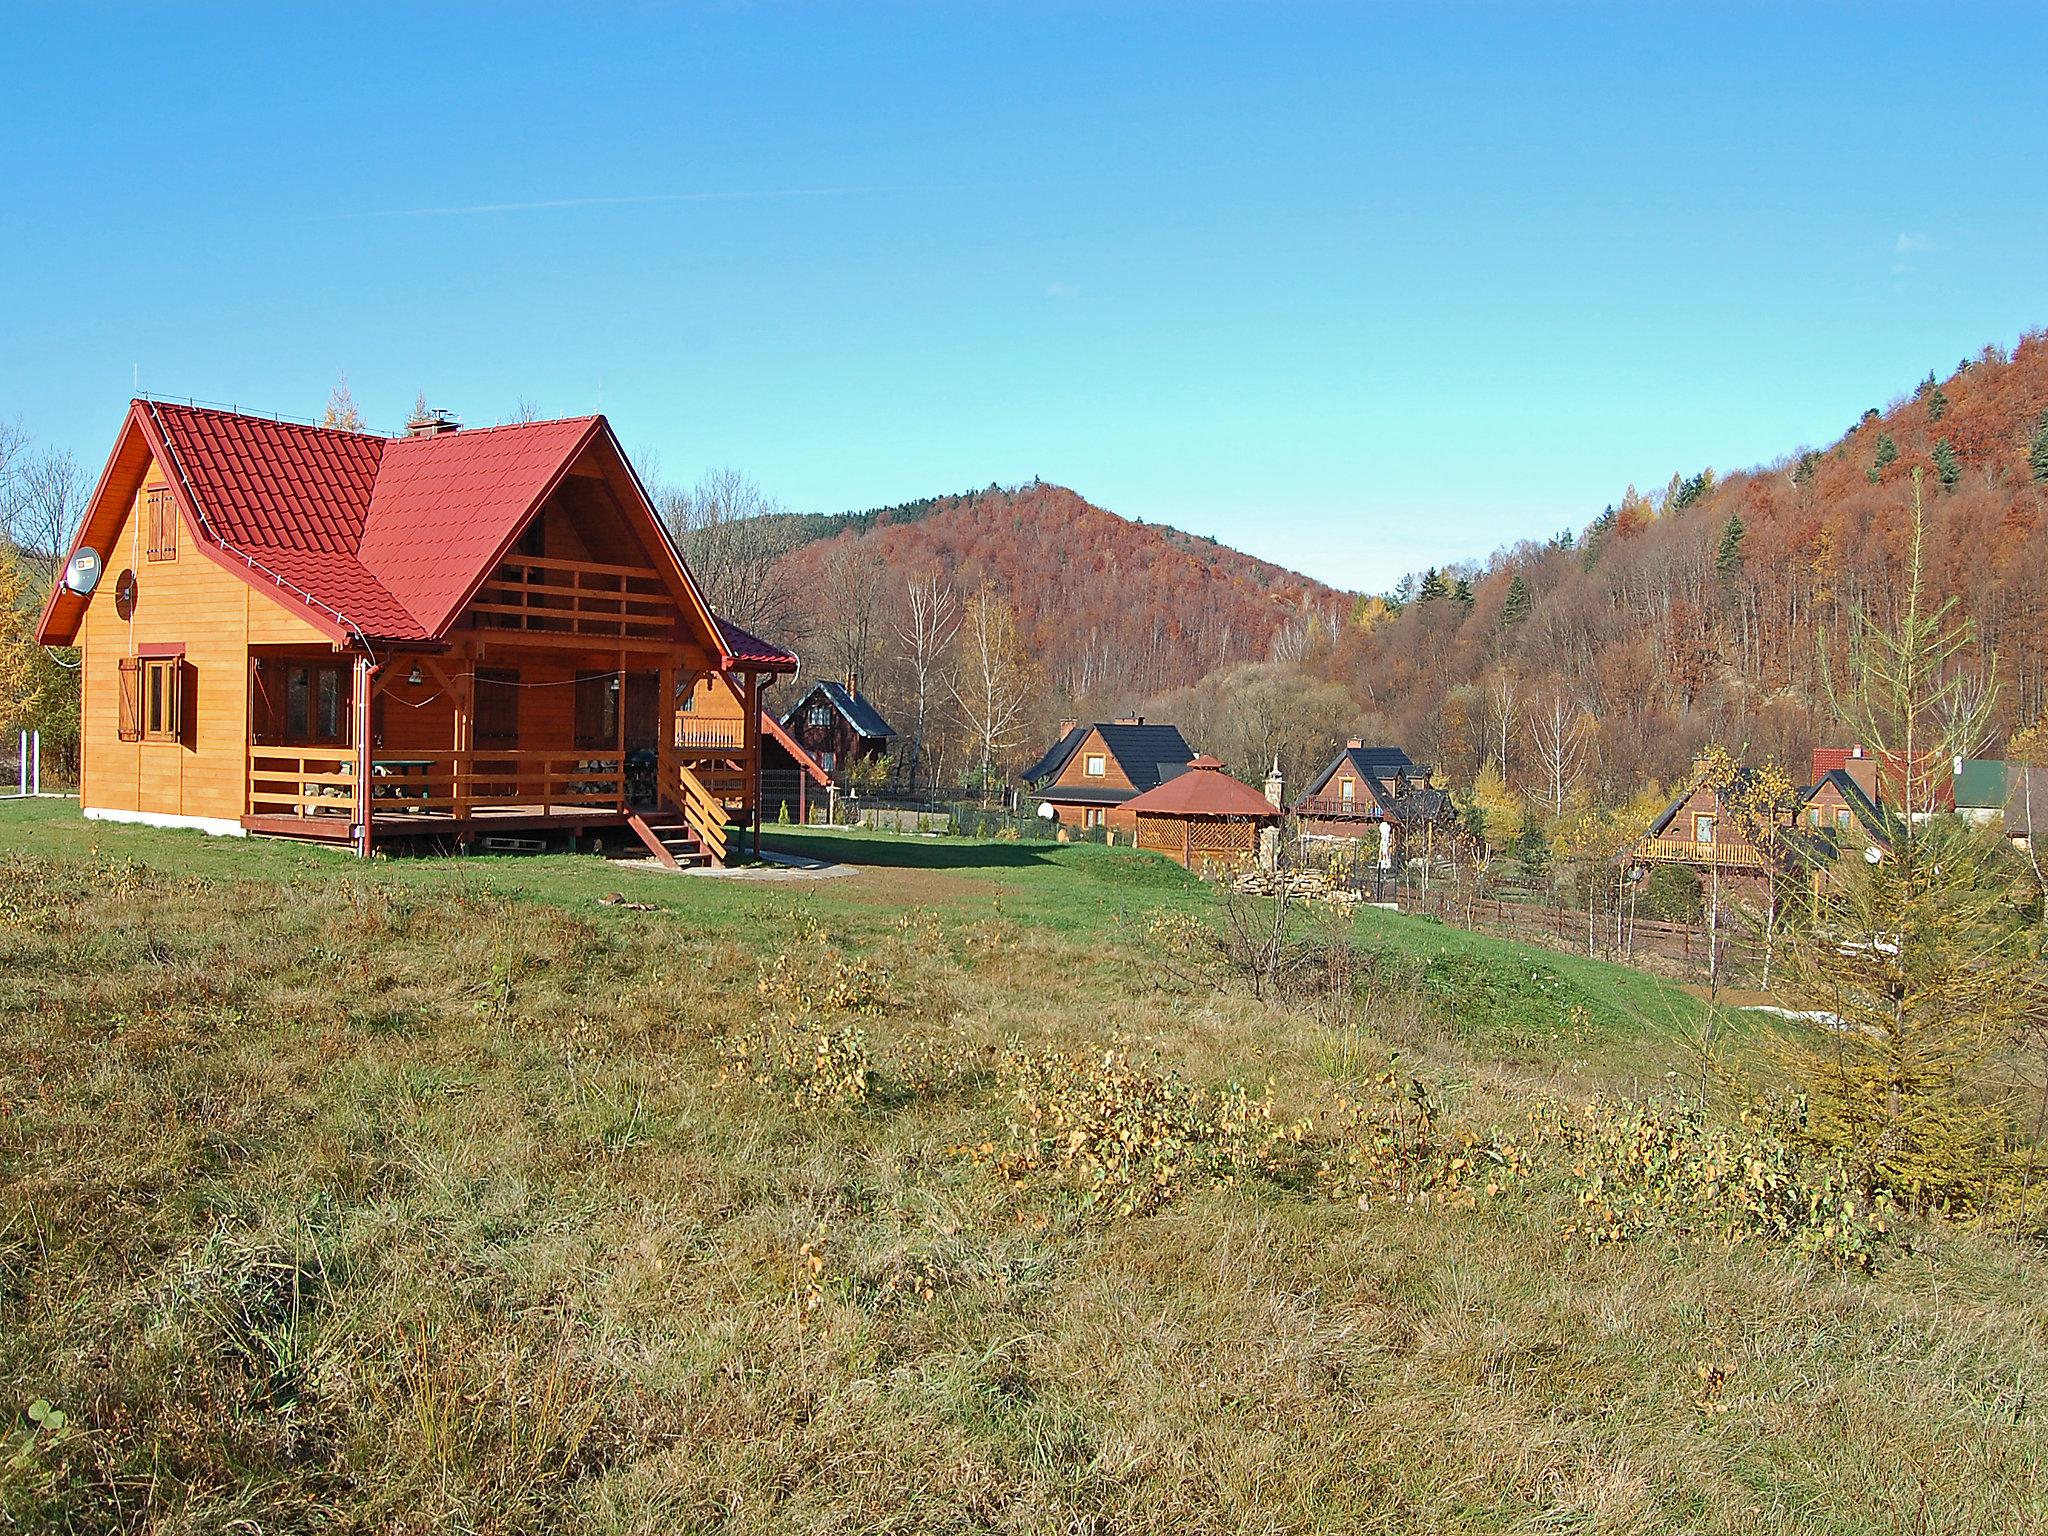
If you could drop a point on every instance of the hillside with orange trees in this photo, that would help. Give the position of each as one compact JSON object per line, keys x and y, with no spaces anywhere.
{"x":1113,"y":609}
{"x":1704,"y":612}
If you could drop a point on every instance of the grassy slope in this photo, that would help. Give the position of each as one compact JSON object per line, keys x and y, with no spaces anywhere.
{"x":411,"y":1197}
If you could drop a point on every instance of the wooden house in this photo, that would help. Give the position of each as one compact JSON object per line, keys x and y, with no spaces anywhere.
{"x":1091,"y":774}
{"x":839,"y":728}
{"x":1201,"y":816}
{"x":1371,"y":794}
{"x":424,"y":640}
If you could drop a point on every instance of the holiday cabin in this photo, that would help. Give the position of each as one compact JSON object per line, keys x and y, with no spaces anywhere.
{"x":428,"y":640}
{"x":1091,"y":774}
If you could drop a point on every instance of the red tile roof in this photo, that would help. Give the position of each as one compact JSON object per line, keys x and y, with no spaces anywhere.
{"x":371,"y":537}
{"x":1204,"y":790}
{"x":753,"y":650}
{"x":446,"y":506}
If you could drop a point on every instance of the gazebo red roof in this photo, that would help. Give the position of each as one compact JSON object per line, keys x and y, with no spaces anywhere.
{"x":1204,"y":790}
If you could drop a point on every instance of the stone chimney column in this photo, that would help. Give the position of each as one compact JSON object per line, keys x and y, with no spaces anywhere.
{"x":1276,"y":787}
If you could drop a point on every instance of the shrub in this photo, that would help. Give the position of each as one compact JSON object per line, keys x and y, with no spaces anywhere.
{"x":1647,"y":1168}
{"x":1392,"y":1145}
{"x":812,"y":1066}
{"x":1129,"y":1140}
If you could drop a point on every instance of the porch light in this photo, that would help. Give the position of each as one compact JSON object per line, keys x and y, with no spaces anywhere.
{"x":414,"y":677}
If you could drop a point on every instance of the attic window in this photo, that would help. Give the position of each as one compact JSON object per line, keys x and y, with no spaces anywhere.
{"x":1096,"y":765}
{"x":1703,"y":829}
{"x":1347,"y":789}
{"x":160,"y":514}
{"x":821,"y":715}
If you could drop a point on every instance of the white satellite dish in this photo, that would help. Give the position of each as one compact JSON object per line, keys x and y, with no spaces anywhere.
{"x":1873,"y":855}
{"x":1046,"y":810}
{"x":83,"y":573}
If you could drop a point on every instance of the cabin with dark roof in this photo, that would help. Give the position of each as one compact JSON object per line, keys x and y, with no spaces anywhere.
{"x":839,"y":727}
{"x":1092,"y":772}
{"x":426,"y":640}
{"x":1372,"y":794}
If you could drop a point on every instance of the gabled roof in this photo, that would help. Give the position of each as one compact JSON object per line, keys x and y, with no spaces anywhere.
{"x":1376,"y":767}
{"x":1860,"y":804}
{"x":865,"y":719}
{"x":366,"y":537}
{"x":1149,"y":755}
{"x":1204,"y":789}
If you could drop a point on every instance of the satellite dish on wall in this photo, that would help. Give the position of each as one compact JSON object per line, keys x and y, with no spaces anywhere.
{"x":125,"y":593}
{"x":1873,"y":855}
{"x":83,"y":573}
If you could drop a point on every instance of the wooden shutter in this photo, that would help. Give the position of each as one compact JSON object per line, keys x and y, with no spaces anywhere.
{"x":131,"y":698}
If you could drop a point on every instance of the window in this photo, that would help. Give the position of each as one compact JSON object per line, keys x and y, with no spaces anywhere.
{"x":316,"y":704}
{"x":821,"y":715}
{"x":160,"y":514}
{"x":1093,"y":816}
{"x":497,"y":708}
{"x":1094,"y":767}
{"x":163,"y":699}
{"x":1841,"y":818}
{"x":1814,"y":817}
{"x":1703,"y":829}
{"x":1347,"y":790}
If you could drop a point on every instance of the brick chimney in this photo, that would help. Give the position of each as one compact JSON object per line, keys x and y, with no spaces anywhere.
{"x":431,"y":422}
{"x":1354,"y":744}
{"x":1130,"y":720}
{"x":1068,"y":726}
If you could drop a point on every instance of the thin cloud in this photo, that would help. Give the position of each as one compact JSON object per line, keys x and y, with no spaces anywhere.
{"x":1910,"y":245}
{"x":1062,"y":290}
{"x":550,"y":204}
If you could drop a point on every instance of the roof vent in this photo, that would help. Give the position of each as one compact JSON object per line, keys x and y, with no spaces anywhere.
{"x":431,"y":423}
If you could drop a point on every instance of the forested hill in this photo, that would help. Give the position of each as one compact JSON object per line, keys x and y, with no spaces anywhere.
{"x":1701,"y":612}
{"x":1113,"y":609}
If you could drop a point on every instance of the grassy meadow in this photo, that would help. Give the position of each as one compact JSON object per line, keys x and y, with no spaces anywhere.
{"x":446,"y":1196}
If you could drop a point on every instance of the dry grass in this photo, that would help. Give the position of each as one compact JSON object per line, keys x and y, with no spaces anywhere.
{"x":340,"y":1203}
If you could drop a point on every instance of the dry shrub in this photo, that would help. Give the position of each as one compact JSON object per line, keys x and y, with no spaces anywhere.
{"x":1127,"y":1139}
{"x":1391,"y":1143}
{"x":1647,"y":1168}
{"x":812,"y":1065}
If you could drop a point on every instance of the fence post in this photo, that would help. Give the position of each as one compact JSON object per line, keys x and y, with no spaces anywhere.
{"x":36,"y":760}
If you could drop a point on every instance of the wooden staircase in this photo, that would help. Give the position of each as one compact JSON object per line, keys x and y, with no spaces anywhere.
{"x":668,"y":836}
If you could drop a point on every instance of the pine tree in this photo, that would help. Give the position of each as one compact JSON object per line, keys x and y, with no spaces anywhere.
{"x":1946,"y":469}
{"x":1728,"y":558}
{"x":1462,"y":591}
{"x":1918,"y":965}
{"x":1937,"y":404}
{"x":2037,"y":458}
{"x":1515,"y":607}
{"x":1433,"y":586}
{"x":1887,"y":455}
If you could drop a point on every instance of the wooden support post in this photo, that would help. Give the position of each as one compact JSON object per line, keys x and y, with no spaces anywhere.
{"x":753,"y":724}
{"x":365,"y":800}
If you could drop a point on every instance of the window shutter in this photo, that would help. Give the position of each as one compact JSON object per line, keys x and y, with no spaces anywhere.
{"x":179,"y":722}
{"x":131,"y":698}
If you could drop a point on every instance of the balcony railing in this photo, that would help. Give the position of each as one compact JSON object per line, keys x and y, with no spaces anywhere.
{"x":575,"y":598}
{"x":1683,"y":850}
{"x":1359,"y":808}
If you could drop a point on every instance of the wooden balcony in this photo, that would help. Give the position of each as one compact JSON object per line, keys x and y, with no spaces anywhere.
{"x":1683,"y":850}
{"x":1360,"y":808}
{"x":314,"y":790}
{"x":579,"y":599}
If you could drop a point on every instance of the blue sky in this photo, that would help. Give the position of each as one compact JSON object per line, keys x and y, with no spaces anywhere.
{"x":1358,"y":289}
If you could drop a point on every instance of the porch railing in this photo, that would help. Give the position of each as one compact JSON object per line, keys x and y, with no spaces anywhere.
{"x":700,"y":735}
{"x":307,"y":781}
{"x":575,"y":597}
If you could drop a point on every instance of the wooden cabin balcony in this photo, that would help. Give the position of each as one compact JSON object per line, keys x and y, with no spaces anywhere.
{"x":1359,"y":808}
{"x":583,"y":599}
{"x":1683,"y":850}
{"x":310,"y":785}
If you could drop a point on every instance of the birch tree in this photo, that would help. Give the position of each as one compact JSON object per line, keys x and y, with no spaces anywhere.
{"x":993,"y":682}
{"x":931,"y":618}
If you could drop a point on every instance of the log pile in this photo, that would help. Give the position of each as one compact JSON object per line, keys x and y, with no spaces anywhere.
{"x":1296,"y":884}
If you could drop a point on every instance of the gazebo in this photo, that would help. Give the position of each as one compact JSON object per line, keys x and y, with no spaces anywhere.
{"x":1202,"y":816}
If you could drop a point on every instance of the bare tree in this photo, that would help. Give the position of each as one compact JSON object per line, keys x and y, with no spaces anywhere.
{"x":1503,"y":696}
{"x":47,"y":495}
{"x":851,"y":594}
{"x":931,"y":618}
{"x":1559,"y":731}
{"x":733,"y":537}
{"x":993,"y":685}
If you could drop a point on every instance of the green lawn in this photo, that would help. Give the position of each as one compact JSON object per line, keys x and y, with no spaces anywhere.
{"x":430,"y":1196}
